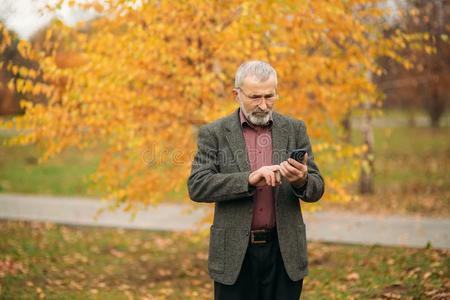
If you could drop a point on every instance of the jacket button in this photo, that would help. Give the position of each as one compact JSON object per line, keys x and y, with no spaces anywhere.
{"x":247,"y":234}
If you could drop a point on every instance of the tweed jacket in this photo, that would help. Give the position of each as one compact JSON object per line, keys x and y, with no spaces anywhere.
{"x":219,"y":175}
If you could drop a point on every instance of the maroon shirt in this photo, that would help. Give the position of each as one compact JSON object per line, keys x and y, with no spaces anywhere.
{"x":258,"y":140}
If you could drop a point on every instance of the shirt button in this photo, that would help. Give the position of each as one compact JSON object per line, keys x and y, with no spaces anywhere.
{"x":250,"y":210}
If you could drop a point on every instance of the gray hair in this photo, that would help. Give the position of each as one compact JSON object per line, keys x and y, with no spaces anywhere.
{"x":255,"y":68}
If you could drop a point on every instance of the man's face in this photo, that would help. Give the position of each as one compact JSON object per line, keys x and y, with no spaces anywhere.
{"x":256,"y":99}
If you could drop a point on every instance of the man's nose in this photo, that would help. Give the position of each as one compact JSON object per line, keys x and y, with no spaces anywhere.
{"x":263,"y":105}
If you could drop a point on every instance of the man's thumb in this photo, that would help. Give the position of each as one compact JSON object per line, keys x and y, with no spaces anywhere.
{"x":305,"y":158}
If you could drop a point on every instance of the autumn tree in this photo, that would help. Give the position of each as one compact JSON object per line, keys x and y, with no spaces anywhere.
{"x":426,"y":82}
{"x":148,"y":73}
{"x":12,"y":67}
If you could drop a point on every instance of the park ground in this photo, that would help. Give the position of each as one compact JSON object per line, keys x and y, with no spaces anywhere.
{"x":48,"y":261}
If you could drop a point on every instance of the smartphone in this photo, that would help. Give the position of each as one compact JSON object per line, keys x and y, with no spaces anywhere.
{"x":298,"y":154}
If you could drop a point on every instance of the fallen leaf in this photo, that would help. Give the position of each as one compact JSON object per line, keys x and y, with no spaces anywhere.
{"x":353,"y":276}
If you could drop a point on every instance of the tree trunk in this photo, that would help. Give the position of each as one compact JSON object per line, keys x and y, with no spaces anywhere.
{"x":347,"y":125}
{"x":435,"y":106}
{"x":366,"y":185}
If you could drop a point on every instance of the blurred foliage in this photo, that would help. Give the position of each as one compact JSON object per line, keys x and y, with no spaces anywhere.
{"x":144,"y":75}
{"x":13,"y":67}
{"x":425,"y":82}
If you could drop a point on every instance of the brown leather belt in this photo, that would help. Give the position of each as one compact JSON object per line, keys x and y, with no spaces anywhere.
{"x":262,"y":236}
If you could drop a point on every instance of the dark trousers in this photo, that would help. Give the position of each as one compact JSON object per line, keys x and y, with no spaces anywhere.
{"x":262,"y":277}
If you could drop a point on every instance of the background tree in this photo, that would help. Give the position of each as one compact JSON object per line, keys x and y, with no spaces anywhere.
{"x":425,"y":83}
{"x":148,"y":73}
{"x":14,"y":70}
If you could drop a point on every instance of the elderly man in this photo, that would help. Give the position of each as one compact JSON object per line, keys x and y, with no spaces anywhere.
{"x":257,"y":246}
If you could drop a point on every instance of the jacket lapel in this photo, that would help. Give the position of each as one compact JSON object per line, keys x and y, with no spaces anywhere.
{"x":280,"y":139}
{"x":236,"y":141}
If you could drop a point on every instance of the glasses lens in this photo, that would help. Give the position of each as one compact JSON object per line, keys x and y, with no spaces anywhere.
{"x":268,"y":98}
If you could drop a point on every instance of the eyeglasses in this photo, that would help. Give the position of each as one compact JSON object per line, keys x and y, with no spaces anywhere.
{"x":270,"y":98}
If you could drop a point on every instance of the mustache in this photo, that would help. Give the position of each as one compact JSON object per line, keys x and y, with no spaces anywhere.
{"x":261,"y":111}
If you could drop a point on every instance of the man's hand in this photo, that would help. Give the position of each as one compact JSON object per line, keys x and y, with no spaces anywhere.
{"x":267,"y":175}
{"x":295,"y":172}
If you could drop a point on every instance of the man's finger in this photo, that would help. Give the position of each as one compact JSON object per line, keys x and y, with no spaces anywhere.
{"x":275,"y":168}
{"x":296,"y":164}
{"x":267,"y":179}
{"x":286,"y":173}
{"x":277,"y":176}
{"x":288,"y":169}
{"x":294,"y":170}
{"x":283,"y":172}
{"x":270,"y":179}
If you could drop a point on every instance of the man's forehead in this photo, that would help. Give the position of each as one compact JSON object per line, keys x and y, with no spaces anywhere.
{"x":251,"y":83}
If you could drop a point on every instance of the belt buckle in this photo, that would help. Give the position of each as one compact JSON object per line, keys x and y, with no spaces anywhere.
{"x":252,"y":236}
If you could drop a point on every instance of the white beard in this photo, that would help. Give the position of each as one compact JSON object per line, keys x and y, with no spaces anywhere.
{"x":256,"y":120}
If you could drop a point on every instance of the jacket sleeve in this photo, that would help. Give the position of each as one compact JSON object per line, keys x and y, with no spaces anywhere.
{"x":314,"y":188}
{"x":206,"y":183}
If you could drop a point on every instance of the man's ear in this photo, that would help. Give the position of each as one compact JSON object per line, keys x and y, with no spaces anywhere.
{"x":235,"y":93}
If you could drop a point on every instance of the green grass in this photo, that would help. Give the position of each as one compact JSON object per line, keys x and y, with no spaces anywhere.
{"x":411,"y":173}
{"x":61,"y":262}
{"x":412,"y":156}
{"x":65,"y":174}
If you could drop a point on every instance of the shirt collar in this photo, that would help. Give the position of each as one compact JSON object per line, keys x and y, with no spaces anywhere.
{"x":244,"y":121}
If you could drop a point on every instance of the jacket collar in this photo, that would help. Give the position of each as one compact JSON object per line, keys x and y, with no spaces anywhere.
{"x":235,"y":138}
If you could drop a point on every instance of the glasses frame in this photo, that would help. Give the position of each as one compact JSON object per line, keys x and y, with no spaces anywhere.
{"x":258,"y":99}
